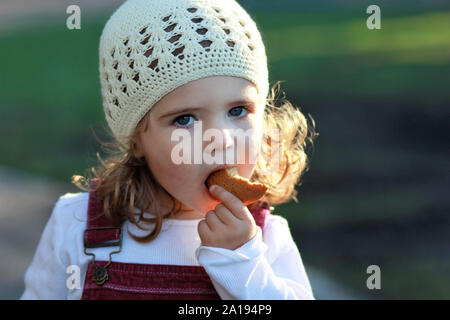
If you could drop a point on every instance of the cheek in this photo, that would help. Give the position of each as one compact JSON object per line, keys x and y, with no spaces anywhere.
{"x":253,"y":142}
{"x":178,"y":176}
{"x":171,"y":176}
{"x":247,"y":162}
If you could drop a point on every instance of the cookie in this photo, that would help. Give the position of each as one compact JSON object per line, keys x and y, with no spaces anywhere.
{"x":242,"y":188}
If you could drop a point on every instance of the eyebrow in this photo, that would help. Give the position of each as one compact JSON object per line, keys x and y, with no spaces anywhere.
{"x":190,"y":109}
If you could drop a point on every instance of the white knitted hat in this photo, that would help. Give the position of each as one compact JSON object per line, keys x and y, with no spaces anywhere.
{"x":148,"y":48}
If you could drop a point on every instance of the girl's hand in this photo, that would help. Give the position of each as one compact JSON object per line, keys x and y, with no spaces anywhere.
{"x":230,"y":225}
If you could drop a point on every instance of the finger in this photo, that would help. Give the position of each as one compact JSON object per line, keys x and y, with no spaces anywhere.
{"x":225,"y":215}
{"x":204,"y":231}
{"x":233,"y":203}
{"x":213,"y":221}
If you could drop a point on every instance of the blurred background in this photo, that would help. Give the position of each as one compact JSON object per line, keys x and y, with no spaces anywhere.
{"x":376,"y":192}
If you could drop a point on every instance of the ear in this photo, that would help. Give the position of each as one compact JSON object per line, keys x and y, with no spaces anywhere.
{"x":139,"y":153}
{"x":137,"y":148}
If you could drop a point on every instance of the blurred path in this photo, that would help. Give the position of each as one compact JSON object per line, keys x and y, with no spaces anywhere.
{"x":26,"y":204}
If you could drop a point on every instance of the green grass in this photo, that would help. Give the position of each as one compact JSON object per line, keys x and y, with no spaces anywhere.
{"x":336,"y":55}
{"x":327,"y":37}
{"x":52,"y":68}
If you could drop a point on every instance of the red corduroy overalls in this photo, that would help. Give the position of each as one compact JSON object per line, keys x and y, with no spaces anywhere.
{"x":142,"y":281}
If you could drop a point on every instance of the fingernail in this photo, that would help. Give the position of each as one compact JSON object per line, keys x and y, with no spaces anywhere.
{"x":213,"y":188}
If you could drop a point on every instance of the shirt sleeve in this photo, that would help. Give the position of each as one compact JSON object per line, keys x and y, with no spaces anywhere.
{"x":46,"y":276}
{"x":268,"y":268}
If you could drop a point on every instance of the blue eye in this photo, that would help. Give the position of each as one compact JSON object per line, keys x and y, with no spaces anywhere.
{"x":237,"y":114}
{"x":182,"y":121}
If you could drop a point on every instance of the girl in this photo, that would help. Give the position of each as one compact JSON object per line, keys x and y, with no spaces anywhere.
{"x":146,"y":226}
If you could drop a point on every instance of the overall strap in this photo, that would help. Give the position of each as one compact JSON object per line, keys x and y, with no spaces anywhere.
{"x":99,"y":231}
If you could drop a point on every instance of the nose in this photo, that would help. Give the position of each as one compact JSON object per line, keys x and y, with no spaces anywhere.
{"x":219,"y":141}
{"x":222,"y":139}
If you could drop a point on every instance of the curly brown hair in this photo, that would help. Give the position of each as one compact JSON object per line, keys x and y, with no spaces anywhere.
{"x":125,"y":182}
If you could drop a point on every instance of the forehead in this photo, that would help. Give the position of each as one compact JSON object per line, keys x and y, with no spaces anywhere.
{"x":201,"y":92}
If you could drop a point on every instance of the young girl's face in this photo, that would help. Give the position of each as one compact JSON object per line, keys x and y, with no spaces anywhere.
{"x":222,"y":103}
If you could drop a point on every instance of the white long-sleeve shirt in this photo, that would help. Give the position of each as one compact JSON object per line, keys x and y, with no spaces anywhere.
{"x":267,"y":267}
